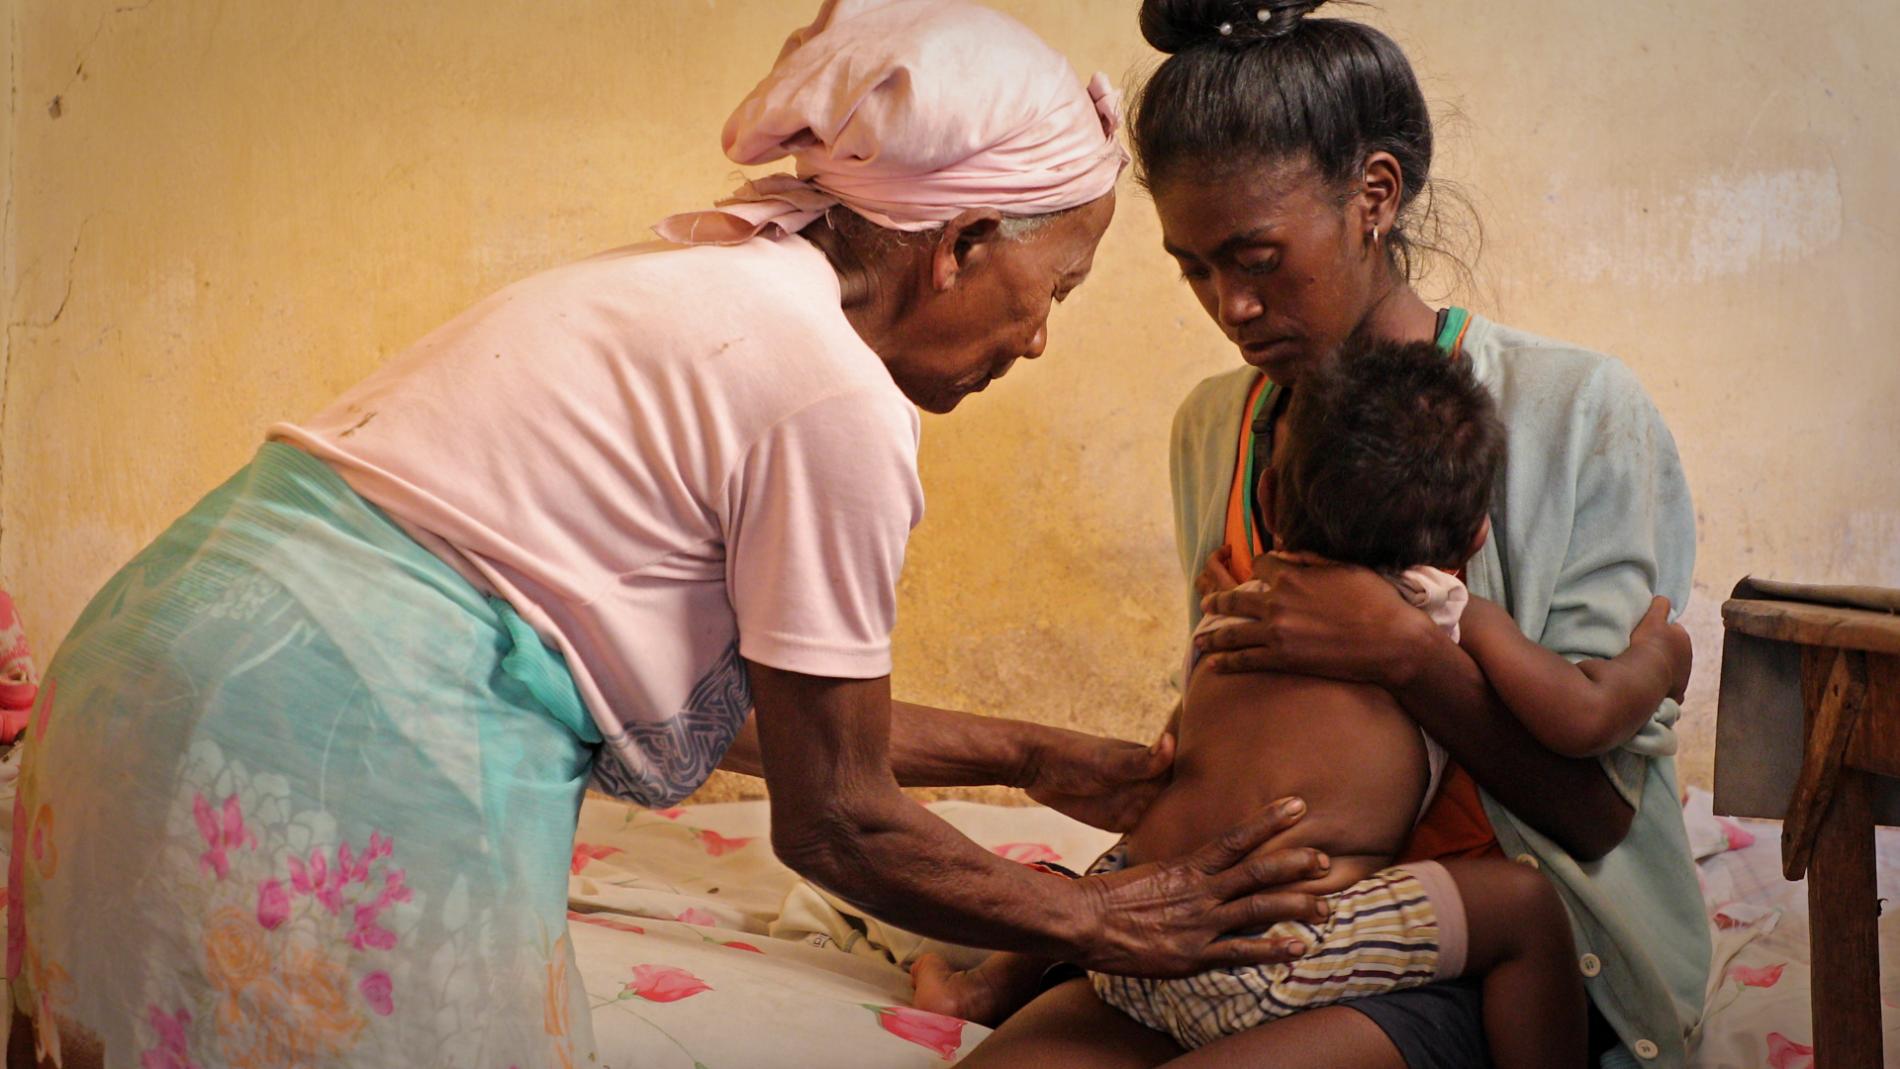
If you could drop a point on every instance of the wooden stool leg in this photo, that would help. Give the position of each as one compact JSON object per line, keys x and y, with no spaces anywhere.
{"x":1843,"y":918}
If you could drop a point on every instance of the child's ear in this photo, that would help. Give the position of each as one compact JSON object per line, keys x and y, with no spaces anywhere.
{"x":1478,"y":540}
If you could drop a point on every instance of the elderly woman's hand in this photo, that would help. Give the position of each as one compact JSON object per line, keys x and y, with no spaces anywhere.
{"x":1192,"y":914}
{"x":1106,"y":783}
{"x":1319,"y":618}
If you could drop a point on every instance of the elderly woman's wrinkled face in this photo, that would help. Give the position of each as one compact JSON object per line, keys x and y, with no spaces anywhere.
{"x":1274,"y":257}
{"x":957,"y":340}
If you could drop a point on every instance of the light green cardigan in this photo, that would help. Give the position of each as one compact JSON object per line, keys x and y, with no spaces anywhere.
{"x":1590,"y":517}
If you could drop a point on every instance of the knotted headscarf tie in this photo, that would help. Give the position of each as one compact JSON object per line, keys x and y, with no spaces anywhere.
{"x":909,"y":112}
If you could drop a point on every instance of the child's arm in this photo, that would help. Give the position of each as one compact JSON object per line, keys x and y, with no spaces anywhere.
{"x":1587,"y":708}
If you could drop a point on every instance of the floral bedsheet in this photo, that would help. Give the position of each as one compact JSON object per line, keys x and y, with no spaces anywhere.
{"x":699,"y":950}
{"x":1756,"y":1013}
{"x":703,"y":983}
{"x":672,"y":917}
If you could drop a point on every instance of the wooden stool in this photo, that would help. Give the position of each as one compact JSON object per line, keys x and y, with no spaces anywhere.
{"x":1808,"y":730}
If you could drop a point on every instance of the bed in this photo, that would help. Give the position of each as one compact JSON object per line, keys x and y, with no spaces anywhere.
{"x":699,"y":950}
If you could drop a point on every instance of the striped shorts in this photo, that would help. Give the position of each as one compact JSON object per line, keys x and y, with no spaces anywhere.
{"x":1400,"y":927}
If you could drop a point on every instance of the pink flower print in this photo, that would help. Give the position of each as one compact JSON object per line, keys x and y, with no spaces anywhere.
{"x":1766,"y":976}
{"x":351,"y":868}
{"x":223,"y":830}
{"x":602,"y":921}
{"x":273,"y":905}
{"x":45,"y":709}
{"x":1785,"y":1053}
{"x":736,"y":945}
{"x":16,"y":889}
{"x":170,"y":1052}
{"x":674,"y":813}
{"x":1739,"y":838}
{"x":586,"y":852}
{"x":378,"y":992}
{"x":663,"y":983}
{"x":40,"y":845}
{"x":718,"y":845}
{"x":1026,"y":853}
{"x":365,"y":933}
{"x":695,"y":915}
{"x":941,"y":1034}
{"x":326,"y":887}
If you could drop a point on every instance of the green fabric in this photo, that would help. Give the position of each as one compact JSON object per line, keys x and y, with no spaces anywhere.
{"x":1591,"y":516}
{"x":1248,"y":506}
{"x":286,"y":727}
{"x":1455,"y":320}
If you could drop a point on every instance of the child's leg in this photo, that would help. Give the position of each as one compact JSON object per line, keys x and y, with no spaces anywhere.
{"x":1518,"y":940}
{"x":1002,"y":984}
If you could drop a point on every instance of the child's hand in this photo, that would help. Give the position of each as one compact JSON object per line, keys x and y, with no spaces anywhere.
{"x":1672,"y":639}
{"x":1217,"y":575}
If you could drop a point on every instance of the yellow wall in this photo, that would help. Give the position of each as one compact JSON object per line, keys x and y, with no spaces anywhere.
{"x":236,"y":209}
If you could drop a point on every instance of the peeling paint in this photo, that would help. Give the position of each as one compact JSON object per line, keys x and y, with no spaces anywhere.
{"x":1720,"y":225}
{"x":251,"y":248}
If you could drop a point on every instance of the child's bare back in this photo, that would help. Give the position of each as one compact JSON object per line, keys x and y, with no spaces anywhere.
{"x":1347,"y":749}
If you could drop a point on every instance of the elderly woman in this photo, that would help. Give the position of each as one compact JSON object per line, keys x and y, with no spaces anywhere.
{"x":303,"y":783}
{"x":1288,"y":157}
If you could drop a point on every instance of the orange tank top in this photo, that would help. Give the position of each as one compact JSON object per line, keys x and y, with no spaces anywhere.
{"x":1454,"y":824}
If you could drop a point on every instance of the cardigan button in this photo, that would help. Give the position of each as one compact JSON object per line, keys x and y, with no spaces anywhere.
{"x":1645,"y":1049}
{"x":1590,"y":964}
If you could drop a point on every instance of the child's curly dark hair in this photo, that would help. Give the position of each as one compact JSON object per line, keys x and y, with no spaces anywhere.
{"x":1390,"y":456}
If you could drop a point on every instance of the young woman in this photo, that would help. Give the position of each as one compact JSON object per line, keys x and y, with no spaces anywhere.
{"x":1287,"y":156}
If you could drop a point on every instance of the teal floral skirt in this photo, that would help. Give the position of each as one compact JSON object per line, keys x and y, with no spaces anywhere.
{"x":296,"y":794}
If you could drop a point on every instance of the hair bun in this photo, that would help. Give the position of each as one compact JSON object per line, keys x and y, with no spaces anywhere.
{"x":1176,"y":25}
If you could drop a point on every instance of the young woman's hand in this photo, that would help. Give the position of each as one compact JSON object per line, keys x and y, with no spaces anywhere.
{"x":1318,"y":618}
{"x":1203,"y":911}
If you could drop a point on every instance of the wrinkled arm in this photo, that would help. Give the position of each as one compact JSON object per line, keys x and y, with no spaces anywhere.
{"x":839,"y":819}
{"x":1582,"y":709}
{"x":932,"y":748}
{"x":1104,"y":782}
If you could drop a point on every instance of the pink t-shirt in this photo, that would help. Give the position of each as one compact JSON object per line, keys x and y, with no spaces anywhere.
{"x":665,"y":459}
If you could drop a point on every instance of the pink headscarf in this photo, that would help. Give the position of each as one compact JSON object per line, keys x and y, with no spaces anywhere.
{"x":909,"y":112}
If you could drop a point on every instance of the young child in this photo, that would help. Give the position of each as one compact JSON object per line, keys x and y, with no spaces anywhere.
{"x":1390,"y":455}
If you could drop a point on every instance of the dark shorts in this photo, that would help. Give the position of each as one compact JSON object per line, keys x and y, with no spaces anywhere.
{"x":1438,"y":1026}
{"x":1441,"y":1025}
